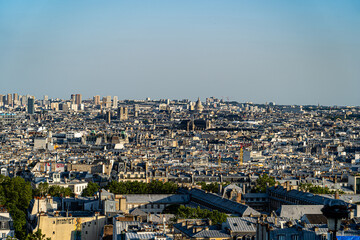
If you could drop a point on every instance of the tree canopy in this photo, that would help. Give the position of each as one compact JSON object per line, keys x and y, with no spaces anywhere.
{"x":154,"y":187}
{"x":181,"y":211}
{"x":212,"y":187}
{"x":37,"y":236}
{"x":309,"y":187}
{"x":90,"y":190}
{"x":43,"y":189}
{"x":263,"y":182}
{"x":15,"y":195}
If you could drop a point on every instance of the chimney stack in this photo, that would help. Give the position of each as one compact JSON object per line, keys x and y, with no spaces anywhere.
{"x":238,"y":197}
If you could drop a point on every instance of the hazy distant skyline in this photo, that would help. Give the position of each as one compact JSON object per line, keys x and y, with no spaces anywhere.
{"x":290,"y":52}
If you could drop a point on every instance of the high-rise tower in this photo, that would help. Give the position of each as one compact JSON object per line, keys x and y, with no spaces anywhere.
{"x":31,"y":105}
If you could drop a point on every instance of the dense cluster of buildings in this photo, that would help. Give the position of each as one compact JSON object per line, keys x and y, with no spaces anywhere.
{"x":70,"y":143}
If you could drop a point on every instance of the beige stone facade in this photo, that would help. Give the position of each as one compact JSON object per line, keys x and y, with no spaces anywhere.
{"x":59,"y":228}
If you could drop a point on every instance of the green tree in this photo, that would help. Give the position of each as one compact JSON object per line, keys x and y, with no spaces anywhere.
{"x":309,"y":187}
{"x":58,"y":191}
{"x":305,"y":186}
{"x":211,"y":187}
{"x":15,"y":195}
{"x":90,"y":190}
{"x":171,"y":209}
{"x":41,"y":190}
{"x":215,"y":216}
{"x":37,"y":236}
{"x":263,"y":182}
{"x":141,"y":187}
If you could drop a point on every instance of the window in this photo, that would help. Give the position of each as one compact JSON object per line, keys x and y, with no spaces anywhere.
{"x":323,"y":237}
{"x":53,"y":232}
{"x":295,"y":237}
{"x":281,"y":237}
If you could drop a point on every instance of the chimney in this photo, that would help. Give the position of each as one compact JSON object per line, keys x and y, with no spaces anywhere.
{"x":288,"y":187}
{"x":351,"y":214}
{"x":238,"y":197}
{"x":337,"y":194}
{"x":282,"y":224}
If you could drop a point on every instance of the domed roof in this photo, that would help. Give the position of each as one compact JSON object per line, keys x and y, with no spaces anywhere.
{"x":198,"y":105}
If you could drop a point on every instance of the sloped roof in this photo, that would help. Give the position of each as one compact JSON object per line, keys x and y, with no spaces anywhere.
{"x":211,"y":234}
{"x":222,"y":203}
{"x":141,"y":235}
{"x":316,"y":218}
{"x":303,"y":196}
{"x":157,"y":198}
{"x":242,"y":224}
{"x":138,"y":212}
{"x":297,"y":211}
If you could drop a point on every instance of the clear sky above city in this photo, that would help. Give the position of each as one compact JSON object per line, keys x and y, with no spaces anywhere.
{"x":289,"y":52}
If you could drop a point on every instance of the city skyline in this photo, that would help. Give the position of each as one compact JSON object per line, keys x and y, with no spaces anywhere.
{"x":99,"y":99}
{"x":287,"y":52}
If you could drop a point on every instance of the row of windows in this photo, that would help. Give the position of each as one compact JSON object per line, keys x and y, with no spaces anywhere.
{"x":129,"y":176}
{"x":4,"y":225}
{"x":290,"y":199}
{"x":255,"y":199}
{"x":150,"y":206}
{"x":297,"y":237}
{"x":79,"y":188}
{"x":293,"y":237}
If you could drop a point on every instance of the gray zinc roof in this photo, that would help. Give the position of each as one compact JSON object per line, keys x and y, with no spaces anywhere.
{"x":242,"y":224}
{"x":211,"y":234}
{"x":222,"y":203}
{"x":297,"y":211}
{"x":157,"y":198}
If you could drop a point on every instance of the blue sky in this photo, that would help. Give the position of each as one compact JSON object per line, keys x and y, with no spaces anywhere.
{"x":290,"y":52}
